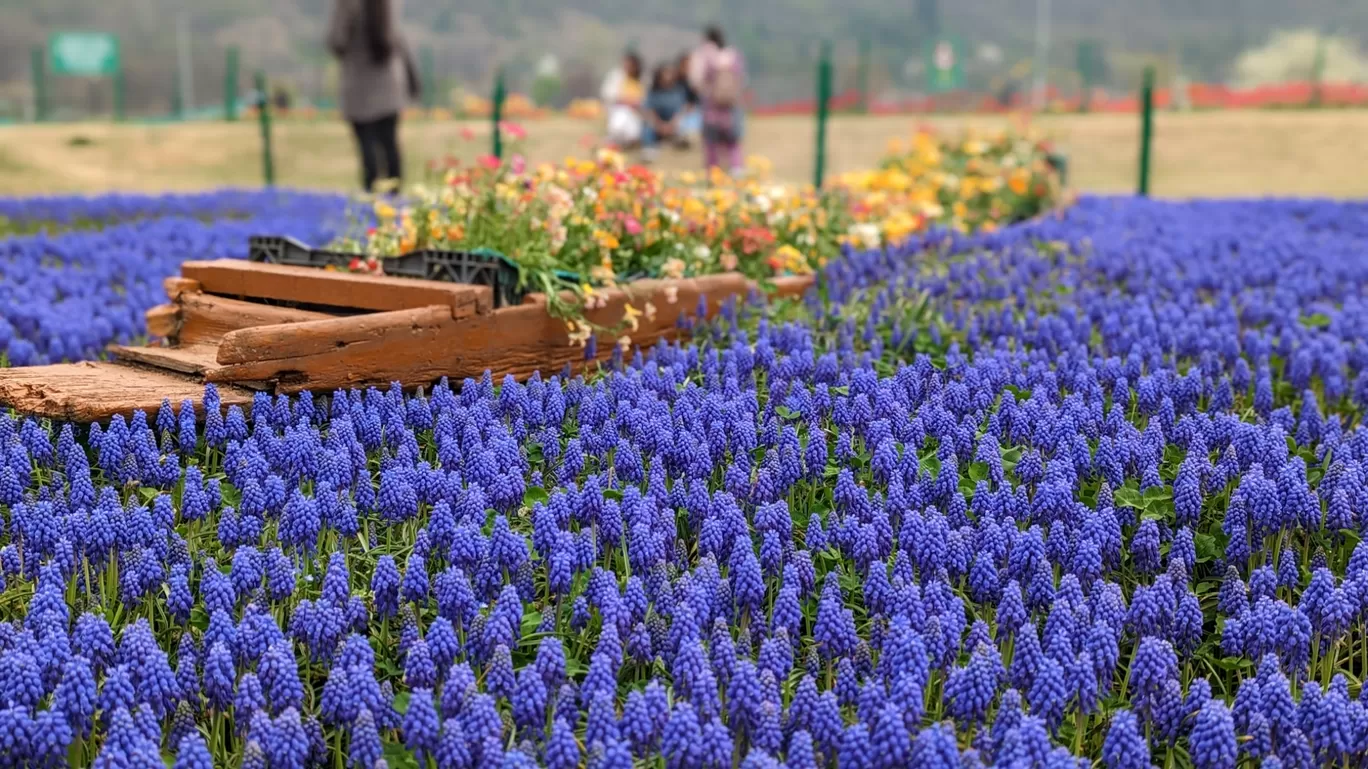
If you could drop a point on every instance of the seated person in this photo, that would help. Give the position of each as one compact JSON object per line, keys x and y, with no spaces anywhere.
{"x":624,"y":97}
{"x":666,"y":107}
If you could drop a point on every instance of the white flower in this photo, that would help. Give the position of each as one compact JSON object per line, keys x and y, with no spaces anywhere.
{"x":702,"y":252}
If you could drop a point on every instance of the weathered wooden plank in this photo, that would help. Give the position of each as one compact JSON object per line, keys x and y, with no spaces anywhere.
{"x":164,"y":321}
{"x":306,"y":285}
{"x":299,"y":340}
{"x":186,"y":359}
{"x":175,"y":286}
{"x":789,"y":286}
{"x":205,"y":318}
{"x":95,"y":391}
{"x":513,"y":340}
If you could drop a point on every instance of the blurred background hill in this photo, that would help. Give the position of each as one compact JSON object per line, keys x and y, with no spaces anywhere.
{"x":1234,"y":41}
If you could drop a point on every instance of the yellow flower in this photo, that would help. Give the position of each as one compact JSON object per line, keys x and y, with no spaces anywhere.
{"x":605,"y":239}
{"x":579,"y":332}
{"x":673,"y":267}
{"x":630,"y":315}
{"x":384,"y":211}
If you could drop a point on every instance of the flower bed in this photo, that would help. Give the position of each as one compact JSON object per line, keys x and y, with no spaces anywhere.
{"x":1083,"y":491}
{"x":589,"y":225}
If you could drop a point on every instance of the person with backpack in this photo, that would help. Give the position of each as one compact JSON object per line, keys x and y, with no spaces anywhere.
{"x":718,"y":73}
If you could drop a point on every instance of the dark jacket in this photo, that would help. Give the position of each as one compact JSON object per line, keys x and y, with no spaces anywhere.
{"x":369,"y":90}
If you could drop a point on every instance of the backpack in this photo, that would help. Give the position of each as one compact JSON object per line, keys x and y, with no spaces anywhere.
{"x":723,"y":83}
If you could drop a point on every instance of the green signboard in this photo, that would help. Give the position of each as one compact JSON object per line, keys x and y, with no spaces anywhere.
{"x":84,"y":54}
{"x":944,"y":65}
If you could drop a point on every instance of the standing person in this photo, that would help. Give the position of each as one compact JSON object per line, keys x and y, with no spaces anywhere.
{"x":718,"y":72}
{"x":378,"y":77}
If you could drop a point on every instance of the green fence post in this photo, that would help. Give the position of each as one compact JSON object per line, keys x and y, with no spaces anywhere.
{"x":119,"y":94}
{"x":264,"y":118}
{"x":177,"y":104}
{"x":429,"y":70}
{"x":38,"y":65}
{"x":496,"y":113}
{"x":823,"y":100}
{"x":1318,"y":72}
{"x":862,"y":75}
{"x":230,"y":85}
{"x":1146,"y":130}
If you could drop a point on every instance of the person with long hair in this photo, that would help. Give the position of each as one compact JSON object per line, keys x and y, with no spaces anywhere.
{"x":666,"y":105}
{"x":625,"y":95}
{"x":717,"y":72}
{"x":378,"y":76}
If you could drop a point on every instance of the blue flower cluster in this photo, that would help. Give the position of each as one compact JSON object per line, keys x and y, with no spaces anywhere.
{"x":64,"y":297}
{"x":66,"y":211}
{"x":1088,"y":491}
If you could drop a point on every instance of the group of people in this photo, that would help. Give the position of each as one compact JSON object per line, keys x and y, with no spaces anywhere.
{"x":696,"y":97}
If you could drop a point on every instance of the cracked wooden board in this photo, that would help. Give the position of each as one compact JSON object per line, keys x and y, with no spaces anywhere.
{"x":327,"y":288}
{"x":420,"y":346}
{"x":95,"y":391}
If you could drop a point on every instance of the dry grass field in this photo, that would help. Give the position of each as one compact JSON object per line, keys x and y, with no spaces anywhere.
{"x":1195,"y":154}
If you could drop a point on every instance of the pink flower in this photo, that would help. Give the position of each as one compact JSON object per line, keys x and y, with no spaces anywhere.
{"x":632,"y":225}
{"x":518,"y":164}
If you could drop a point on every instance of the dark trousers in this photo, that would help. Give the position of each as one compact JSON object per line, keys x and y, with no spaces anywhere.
{"x":379,"y":143}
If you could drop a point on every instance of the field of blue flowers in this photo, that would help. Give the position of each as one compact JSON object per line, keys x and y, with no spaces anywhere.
{"x":1084,"y":492}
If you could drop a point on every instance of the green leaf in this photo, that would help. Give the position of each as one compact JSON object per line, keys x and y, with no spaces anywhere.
{"x":396,"y":756}
{"x":613,"y":494}
{"x":1128,"y":497}
{"x":1157,"y":494}
{"x":1317,"y":320}
{"x":535,"y":494}
{"x":530,"y":621}
{"x":785,"y":412}
{"x":1207,"y":549}
{"x":931,"y":463}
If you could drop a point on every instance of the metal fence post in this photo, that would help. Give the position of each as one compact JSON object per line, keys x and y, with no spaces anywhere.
{"x":496,"y":112}
{"x":862,"y":75}
{"x":429,"y":70}
{"x":119,"y":107}
{"x":230,"y":84}
{"x":264,"y":118}
{"x":38,"y":65}
{"x":823,"y":100}
{"x":1146,"y":130}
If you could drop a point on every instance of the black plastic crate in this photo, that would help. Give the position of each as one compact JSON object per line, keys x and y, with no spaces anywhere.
{"x":482,"y":267}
